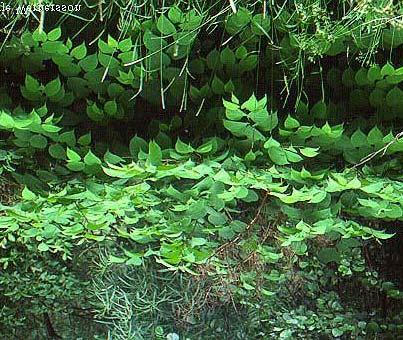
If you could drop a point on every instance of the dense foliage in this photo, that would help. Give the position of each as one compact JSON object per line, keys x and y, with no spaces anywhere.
{"x":197,"y":170}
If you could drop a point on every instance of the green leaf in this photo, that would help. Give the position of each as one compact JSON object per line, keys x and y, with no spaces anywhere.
{"x":278,"y":155}
{"x":54,"y":34}
{"x":229,"y":86}
{"x":395,"y":97}
{"x":197,"y":241}
{"x":249,"y":63}
{"x":261,"y":24}
{"x":293,"y":157}
{"x":125,"y":45}
{"x":39,"y":35}
{"x":358,"y":139}
{"x":94,"y":112}
{"x":79,"y":52}
{"x":241,"y":52}
{"x":217,"y":218}
{"x":152,"y":42}
{"x":374,"y":73}
{"x":206,"y":147}
{"x":57,"y":151}
{"x":264,"y":120}
{"x":327,"y":255}
{"x":213,"y":60}
{"x":387,"y":70}
{"x":175,"y":14}
{"x":217,"y":85}
{"x":43,"y":247}
{"x":165,"y":26}
{"x":183,"y":148}
{"x":72,"y":155}
{"x":375,"y":136}
{"x":227,"y":56}
{"x":236,"y":128}
{"x":309,"y":152}
{"x":154,"y":153}
{"x":89,"y":63}
{"x":250,"y":156}
{"x":53,"y":87}
{"x":134,"y":260}
{"x":28,"y":195}
{"x":32,"y":84}
{"x":115,"y":259}
{"x":68,"y":138}
{"x":112,"y":42}
{"x":106,"y":48}
{"x":75,"y":166}
{"x":85,"y":140}
{"x":6,"y":120}
{"x":319,"y":110}
{"x":271,"y":142}
{"x":337,"y":332}
{"x":251,"y":104}
{"x":136,"y":144}
{"x":91,"y":159}
{"x":38,"y":142}
{"x":111,"y":108}
{"x":197,"y":210}
{"x":291,"y":123}
{"x":111,"y":158}
{"x":361,"y":77}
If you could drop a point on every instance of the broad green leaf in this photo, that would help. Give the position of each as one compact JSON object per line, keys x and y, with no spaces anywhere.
{"x":28,"y":195}
{"x":79,"y":52}
{"x":54,"y":34}
{"x":183,"y":148}
{"x":89,"y":63}
{"x":106,"y":48}
{"x":375,"y":136}
{"x":72,"y":155}
{"x":38,"y":35}
{"x":125,"y":45}
{"x":251,"y":104}
{"x":68,"y":137}
{"x":111,"y":158}
{"x":217,"y":85}
{"x":387,"y":70}
{"x":271,"y":142}
{"x":227,"y":56}
{"x":309,"y":152}
{"x":241,"y":52}
{"x":358,"y":139}
{"x":43,"y":247}
{"x":278,"y":155}
{"x":75,"y":166}
{"x":111,"y":108}
{"x":32,"y":84}
{"x":154,"y":153}
{"x":136,"y":144}
{"x":175,"y":15}
{"x":197,"y":241}
{"x":38,"y":142}
{"x":85,"y":140}
{"x":165,"y":26}
{"x":291,"y":123}
{"x":57,"y":151}
{"x":115,"y":259}
{"x":6,"y":120}
{"x":91,"y":159}
{"x":53,"y":87}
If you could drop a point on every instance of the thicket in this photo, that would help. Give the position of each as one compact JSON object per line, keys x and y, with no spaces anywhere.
{"x":189,"y":169}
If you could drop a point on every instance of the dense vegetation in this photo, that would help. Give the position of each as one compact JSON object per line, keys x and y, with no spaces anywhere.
{"x":201,"y":169}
